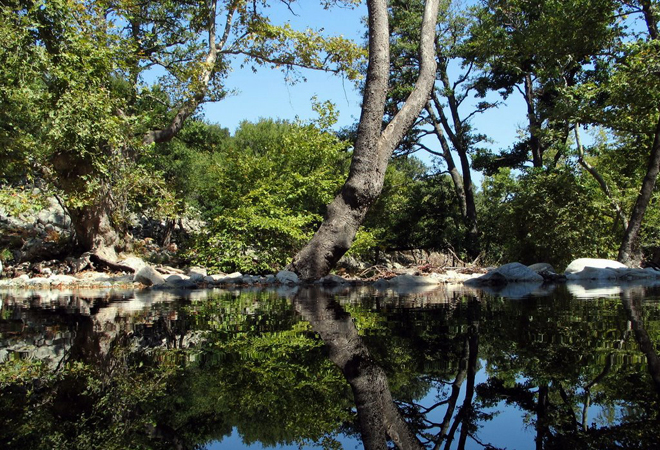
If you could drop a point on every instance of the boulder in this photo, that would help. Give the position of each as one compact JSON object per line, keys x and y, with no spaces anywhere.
{"x":287,"y":277}
{"x":512,"y":272}
{"x":542,"y":267}
{"x":132,"y":264}
{"x":594,"y":269}
{"x":197,"y":273}
{"x":180,"y":281}
{"x":149,"y":277}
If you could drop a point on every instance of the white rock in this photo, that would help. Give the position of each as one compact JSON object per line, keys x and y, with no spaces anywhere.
{"x":287,"y":277}
{"x":579,"y":265}
{"x":63,"y":279}
{"x":149,"y":277}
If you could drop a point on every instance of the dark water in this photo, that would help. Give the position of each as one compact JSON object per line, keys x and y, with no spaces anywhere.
{"x":562,"y":367}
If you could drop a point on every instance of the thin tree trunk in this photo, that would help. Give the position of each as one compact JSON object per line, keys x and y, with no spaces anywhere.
{"x":373,"y":147}
{"x":457,"y":138}
{"x":628,"y":254}
{"x":534,"y":126}
{"x":601,"y":181}
{"x":456,"y":177}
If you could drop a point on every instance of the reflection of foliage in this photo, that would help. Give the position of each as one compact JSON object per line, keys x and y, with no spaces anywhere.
{"x":257,"y":369}
{"x":82,"y":405}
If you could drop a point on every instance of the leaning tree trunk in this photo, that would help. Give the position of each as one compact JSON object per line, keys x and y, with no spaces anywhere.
{"x":373,"y":147}
{"x":628,"y":253}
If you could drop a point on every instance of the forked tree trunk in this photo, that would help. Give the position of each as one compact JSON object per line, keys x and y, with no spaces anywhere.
{"x":373,"y":147}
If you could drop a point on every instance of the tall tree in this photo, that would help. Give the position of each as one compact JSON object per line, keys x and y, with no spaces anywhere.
{"x":94,"y":111}
{"x":640,"y":69}
{"x":537,"y":48}
{"x":443,"y":116}
{"x":374,"y":145}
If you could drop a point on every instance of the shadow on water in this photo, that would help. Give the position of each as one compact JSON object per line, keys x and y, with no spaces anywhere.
{"x":437,"y":368}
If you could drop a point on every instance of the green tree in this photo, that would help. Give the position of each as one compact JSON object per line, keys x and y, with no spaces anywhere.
{"x":265,"y":192}
{"x":537,"y":48}
{"x":620,"y":94}
{"x":554,"y":216}
{"x":373,"y":145}
{"x":82,"y":112}
{"x":443,"y":115}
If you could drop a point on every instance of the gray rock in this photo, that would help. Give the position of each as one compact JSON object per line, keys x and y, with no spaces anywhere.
{"x":512,"y":272}
{"x":149,"y":277}
{"x":287,"y":277}
{"x":197,"y":273}
{"x":180,"y":281}
{"x":542,"y":267}
{"x":133,"y":263}
{"x":235,"y":277}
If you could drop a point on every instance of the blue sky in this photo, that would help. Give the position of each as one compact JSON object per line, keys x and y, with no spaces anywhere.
{"x":266,"y":95}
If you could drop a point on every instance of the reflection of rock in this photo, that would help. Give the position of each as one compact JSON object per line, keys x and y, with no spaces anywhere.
{"x":514,"y":290}
{"x":592,"y":289}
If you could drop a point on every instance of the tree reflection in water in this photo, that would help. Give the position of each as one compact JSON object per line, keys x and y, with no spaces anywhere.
{"x":186,"y":374}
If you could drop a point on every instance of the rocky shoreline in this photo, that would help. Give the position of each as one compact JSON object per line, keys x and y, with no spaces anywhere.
{"x":140,"y":275}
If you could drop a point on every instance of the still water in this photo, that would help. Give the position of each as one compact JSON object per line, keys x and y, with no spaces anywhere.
{"x":528,"y":367}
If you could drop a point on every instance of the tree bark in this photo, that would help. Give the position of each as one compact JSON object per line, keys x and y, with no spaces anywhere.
{"x":373,"y":147}
{"x":378,"y":416}
{"x":534,"y":125}
{"x":628,"y":253}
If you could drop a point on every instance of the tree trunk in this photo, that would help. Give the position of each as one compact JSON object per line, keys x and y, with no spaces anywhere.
{"x":629,"y":253}
{"x":373,"y":147}
{"x":458,"y":140}
{"x":378,"y":416}
{"x":534,"y":125}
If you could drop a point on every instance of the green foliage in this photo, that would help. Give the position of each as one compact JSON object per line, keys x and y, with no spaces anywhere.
{"x":415,"y":210}
{"x":17,"y":200}
{"x":263,"y":192}
{"x":553,"y":217}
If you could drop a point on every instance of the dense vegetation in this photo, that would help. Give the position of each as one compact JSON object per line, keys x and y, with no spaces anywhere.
{"x":79,"y":119}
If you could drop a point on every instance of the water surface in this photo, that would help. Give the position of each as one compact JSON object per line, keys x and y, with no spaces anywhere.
{"x":524,"y":367}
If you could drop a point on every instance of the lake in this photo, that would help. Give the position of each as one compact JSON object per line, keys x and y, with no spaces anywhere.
{"x":525,"y":367}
